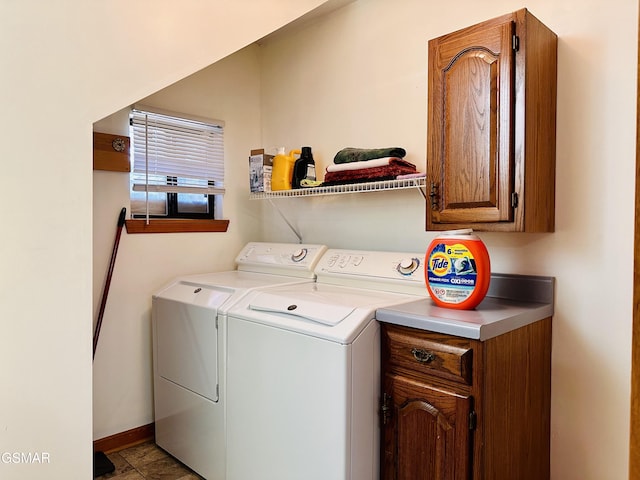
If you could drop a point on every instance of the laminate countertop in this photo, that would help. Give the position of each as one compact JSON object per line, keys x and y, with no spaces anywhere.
{"x":512,"y":301}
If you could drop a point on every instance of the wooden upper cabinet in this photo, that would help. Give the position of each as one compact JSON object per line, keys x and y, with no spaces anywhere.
{"x":491,"y":129}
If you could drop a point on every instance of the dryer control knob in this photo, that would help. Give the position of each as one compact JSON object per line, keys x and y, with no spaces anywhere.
{"x":408,"y":265}
{"x":299,"y":255}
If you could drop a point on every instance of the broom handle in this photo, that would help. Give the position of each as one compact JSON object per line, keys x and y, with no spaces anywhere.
{"x":105,"y":292}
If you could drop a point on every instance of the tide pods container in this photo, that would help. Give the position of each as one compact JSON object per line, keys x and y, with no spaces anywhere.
{"x":458,"y":270}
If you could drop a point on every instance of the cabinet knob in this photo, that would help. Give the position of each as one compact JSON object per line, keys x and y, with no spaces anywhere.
{"x":422,"y":356}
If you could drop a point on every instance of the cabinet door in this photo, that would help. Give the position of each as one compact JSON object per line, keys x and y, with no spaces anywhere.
{"x":426,"y":434}
{"x":471,"y":112}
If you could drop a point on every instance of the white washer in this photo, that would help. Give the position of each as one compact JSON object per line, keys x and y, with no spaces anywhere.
{"x":304,"y":369}
{"x":189,"y":347}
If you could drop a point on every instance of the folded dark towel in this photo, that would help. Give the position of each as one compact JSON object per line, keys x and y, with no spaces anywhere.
{"x":347,"y":155}
{"x":387,"y":172}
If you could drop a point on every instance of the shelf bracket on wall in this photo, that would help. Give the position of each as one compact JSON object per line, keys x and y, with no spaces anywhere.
{"x":378,"y":186}
{"x":297,"y":234}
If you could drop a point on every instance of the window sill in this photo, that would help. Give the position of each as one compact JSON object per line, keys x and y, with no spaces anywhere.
{"x":176,"y":225}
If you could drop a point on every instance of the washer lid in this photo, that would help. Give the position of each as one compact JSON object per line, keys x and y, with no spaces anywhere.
{"x":320,"y":312}
{"x":197,"y":294}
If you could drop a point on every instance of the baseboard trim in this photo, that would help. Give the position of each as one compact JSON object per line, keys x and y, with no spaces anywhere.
{"x":126,"y":439}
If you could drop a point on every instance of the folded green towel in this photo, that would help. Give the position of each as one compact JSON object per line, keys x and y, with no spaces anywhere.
{"x":347,"y":155}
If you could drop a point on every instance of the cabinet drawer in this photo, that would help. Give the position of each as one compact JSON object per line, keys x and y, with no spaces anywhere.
{"x":429,"y":353}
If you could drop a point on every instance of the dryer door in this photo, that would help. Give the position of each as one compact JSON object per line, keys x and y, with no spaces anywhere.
{"x":187,"y":337}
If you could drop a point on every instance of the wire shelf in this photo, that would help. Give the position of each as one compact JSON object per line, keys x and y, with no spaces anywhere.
{"x":342,"y":189}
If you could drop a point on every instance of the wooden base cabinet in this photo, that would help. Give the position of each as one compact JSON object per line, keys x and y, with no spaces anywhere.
{"x":459,"y":409}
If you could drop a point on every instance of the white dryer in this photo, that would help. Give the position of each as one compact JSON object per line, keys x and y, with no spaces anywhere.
{"x":189,"y":348}
{"x":304,"y":369}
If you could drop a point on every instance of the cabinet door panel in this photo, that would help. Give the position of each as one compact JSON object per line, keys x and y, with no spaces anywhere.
{"x":471,"y":116}
{"x":470,"y":160}
{"x":428,"y":436}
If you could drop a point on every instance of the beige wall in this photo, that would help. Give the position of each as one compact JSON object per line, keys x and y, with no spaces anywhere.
{"x":63,"y":68}
{"x":359,"y":79}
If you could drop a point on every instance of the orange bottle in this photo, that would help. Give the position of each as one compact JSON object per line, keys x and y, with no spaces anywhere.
{"x":458,"y":270}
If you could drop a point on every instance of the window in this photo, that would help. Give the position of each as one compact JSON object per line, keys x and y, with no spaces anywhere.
{"x":177,"y":165}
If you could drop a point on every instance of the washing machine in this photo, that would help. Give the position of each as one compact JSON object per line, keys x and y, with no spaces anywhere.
{"x":304,"y":369}
{"x":189,"y":348}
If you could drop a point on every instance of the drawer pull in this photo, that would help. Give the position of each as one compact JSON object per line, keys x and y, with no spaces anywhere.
{"x":422,"y":356}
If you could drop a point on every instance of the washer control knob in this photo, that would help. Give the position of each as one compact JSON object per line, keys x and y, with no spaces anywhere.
{"x":408,"y":265}
{"x":299,"y":255}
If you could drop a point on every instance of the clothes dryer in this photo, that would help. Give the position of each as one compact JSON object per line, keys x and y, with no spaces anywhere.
{"x":304,"y":369}
{"x":189,"y":348}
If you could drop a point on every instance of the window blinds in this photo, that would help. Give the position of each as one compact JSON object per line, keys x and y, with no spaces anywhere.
{"x":175,"y":154}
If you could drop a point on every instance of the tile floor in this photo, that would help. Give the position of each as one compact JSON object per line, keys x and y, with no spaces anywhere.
{"x":147,"y":462}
